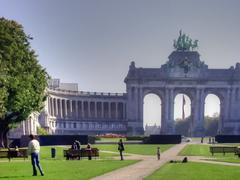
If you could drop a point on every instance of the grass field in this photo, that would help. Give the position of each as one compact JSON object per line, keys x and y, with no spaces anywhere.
{"x":195,"y":171}
{"x":143,"y":149}
{"x":60,"y":169}
{"x":203,"y":150}
{"x":111,"y":139}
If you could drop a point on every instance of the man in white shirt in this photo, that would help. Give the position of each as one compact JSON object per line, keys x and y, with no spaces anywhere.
{"x":33,"y":150}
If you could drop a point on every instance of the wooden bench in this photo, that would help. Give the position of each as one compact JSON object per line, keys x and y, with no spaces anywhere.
{"x":13,"y":153}
{"x":223,"y":149}
{"x":73,"y":153}
{"x":238,"y":151}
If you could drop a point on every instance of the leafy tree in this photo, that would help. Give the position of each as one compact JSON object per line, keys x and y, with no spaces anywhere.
{"x":183,"y":126}
{"x":22,"y":80}
{"x":41,"y":131}
{"x":211,"y":125}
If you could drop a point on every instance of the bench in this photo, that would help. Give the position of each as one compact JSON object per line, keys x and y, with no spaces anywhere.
{"x":13,"y":153}
{"x":223,"y":149}
{"x":238,"y":151}
{"x":74,"y":153}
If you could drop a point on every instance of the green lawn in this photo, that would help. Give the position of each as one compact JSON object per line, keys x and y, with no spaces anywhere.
{"x":60,"y":169}
{"x":111,"y":139}
{"x":143,"y":149}
{"x":195,"y":171}
{"x":203,"y":150}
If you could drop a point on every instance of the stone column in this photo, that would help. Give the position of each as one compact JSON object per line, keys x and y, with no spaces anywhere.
{"x":89,"y":111}
{"x":171,"y":112}
{"x":124,"y":110}
{"x":76,"y":109}
{"x":61,"y":111}
{"x":49,"y":106}
{"x":56,"y":107}
{"x":232,"y":109}
{"x":140,"y":102}
{"x":116,"y":111}
{"x":65,"y":107}
{"x":201,"y":112}
{"x":95,"y":109}
{"x":102,"y":109}
{"x":71,"y":108}
{"x":83,"y":114}
{"x":52,"y":105}
{"x":165,"y":112}
{"x":109,"y":110}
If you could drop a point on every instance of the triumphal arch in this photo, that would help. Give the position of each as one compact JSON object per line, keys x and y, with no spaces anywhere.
{"x":185,"y":73}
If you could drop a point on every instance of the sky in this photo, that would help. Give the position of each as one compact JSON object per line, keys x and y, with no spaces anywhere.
{"x":92,"y":42}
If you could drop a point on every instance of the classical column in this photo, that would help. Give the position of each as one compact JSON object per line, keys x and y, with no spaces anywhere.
{"x":202,"y":106}
{"x":49,"y":106}
{"x":89,"y":110}
{"x":76,"y":109}
{"x":102,"y":109}
{"x":140,"y":102}
{"x":83,"y":114}
{"x":233,"y":96}
{"x":171,"y":111}
{"x":109,"y":110}
{"x":71,"y":108}
{"x":60,"y":109}
{"x":56,"y":107}
{"x":165,"y":117}
{"x":124,"y":110}
{"x":116,"y":105}
{"x":65,"y":107}
{"x":53,"y":111}
{"x":95,"y":109}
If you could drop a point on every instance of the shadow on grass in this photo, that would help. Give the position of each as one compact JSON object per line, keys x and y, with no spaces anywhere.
{"x":13,"y":177}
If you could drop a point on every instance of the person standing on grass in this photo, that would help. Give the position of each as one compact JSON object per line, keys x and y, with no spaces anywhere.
{"x":34,"y":150}
{"x":121,"y":148}
{"x":89,"y":151}
{"x":158,"y":153}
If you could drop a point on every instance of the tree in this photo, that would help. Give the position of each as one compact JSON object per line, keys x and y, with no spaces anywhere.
{"x":211,"y":125}
{"x":183,"y":126}
{"x":22,"y":79}
{"x":41,"y":131}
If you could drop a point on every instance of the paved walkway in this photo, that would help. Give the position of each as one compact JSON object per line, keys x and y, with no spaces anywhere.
{"x":149,"y":164}
{"x":143,"y":168}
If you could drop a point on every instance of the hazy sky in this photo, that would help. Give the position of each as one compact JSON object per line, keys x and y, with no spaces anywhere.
{"x":92,"y":42}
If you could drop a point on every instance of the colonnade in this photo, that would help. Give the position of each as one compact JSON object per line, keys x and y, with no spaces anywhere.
{"x":86,"y":109}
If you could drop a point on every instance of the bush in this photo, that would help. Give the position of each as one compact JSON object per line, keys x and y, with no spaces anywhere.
{"x":135,"y":138}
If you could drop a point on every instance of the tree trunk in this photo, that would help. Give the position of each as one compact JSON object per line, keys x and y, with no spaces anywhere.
{"x":3,"y":135}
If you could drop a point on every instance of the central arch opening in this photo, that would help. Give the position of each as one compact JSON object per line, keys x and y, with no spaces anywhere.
{"x":152,"y":111}
{"x":211,"y":114}
{"x":182,"y":114}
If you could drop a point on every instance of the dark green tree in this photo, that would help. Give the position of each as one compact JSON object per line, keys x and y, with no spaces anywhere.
{"x":211,"y":125}
{"x":183,"y":126}
{"x":22,"y":79}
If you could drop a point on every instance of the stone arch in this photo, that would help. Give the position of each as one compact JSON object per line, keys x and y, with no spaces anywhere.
{"x":152,"y":94}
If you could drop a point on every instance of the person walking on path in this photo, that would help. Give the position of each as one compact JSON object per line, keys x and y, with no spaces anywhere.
{"x":158,"y":153}
{"x":121,"y":148}
{"x":34,"y":150}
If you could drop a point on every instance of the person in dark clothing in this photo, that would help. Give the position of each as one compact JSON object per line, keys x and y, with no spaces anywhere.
{"x":121,"y":148}
{"x":89,"y":150}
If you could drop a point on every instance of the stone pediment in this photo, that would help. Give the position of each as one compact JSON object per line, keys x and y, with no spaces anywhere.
{"x":184,"y":64}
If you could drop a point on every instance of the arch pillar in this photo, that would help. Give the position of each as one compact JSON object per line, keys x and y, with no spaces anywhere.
{"x":197,"y":114}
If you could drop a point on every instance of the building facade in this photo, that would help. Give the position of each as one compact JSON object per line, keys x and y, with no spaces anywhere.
{"x":69,"y":111}
{"x":184,"y":73}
